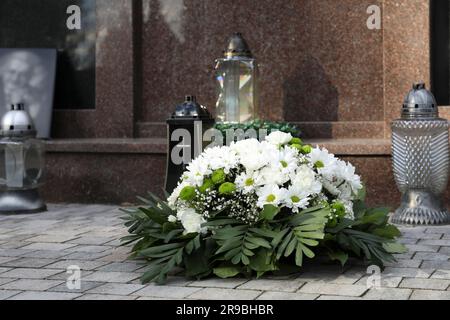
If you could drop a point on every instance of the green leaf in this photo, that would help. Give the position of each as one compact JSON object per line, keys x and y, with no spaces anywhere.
{"x":261,"y":262}
{"x":390,"y":232}
{"x":394,"y":247}
{"x":269,"y":212}
{"x":339,"y":255}
{"x":259,"y":241}
{"x":154,"y":215}
{"x":197,"y":264}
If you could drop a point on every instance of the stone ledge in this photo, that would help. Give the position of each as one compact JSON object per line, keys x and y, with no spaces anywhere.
{"x":344,"y":147}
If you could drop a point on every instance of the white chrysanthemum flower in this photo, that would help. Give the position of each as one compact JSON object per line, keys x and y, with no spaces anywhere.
{"x":273,"y":175}
{"x":221,"y":158}
{"x":196,"y":171}
{"x":296,"y":199}
{"x":346,"y":171}
{"x":323,"y":161}
{"x":286,"y":159}
{"x":279,"y":138}
{"x":271,"y":194}
{"x":191,"y":221}
{"x":247,"y":182}
{"x":305,"y":180}
{"x":250,"y":153}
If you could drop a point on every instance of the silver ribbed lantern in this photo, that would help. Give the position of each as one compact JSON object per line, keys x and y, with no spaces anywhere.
{"x":420,"y":151}
{"x":21,"y":163}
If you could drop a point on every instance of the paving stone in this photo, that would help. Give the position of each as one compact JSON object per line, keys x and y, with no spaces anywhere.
{"x":387,"y":294}
{"x":218,"y":283}
{"x":120,"y":266}
{"x":122,"y":289}
{"x":5,"y":294}
{"x":29,"y":273}
{"x":29,"y":263}
{"x":85,"y":265}
{"x":64,"y":275}
{"x":31,"y":295}
{"x":225,"y":294}
{"x":431,"y":256}
{"x":105,"y":297}
{"x":333,"y":289}
{"x":3,"y":270}
{"x":49,"y":246}
{"x":404,"y":263}
{"x":331,"y":277}
{"x":287,"y":296}
{"x":445,"y":243}
{"x":385,"y":281}
{"x":407,"y":272}
{"x":13,"y":252}
{"x":4,"y":260}
{"x":93,"y":240}
{"x":53,"y":238}
{"x":272,"y":285}
{"x":407,"y":255}
{"x":424,"y":236}
{"x":422,"y":248}
{"x":31,"y":284}
{"x":6,"y":280}
{"x":334,"y":297}
{"x":46,"y":254}
{"x":436,"y":264}
{"x":438,"y":229}
{"x":87,"y":256}
{"x":84,"y":286}
{"x":430,"y":295}
{"x":445,"y":250}
{"x":434,"y":284}
{"x":441,"y":274}
{"x":89,"y":248}
{"x":120,"y":277}
{"x":167,"y":291}
{"x":407,"y":240}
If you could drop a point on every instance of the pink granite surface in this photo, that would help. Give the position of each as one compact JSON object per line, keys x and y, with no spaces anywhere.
{"x":406,"y":52}
{"x":318,"y":60}
{"x":115,"y":79}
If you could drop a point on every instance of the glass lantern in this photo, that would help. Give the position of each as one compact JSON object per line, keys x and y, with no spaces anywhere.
{"x":21,"y":163}
{"x":236,"y":76}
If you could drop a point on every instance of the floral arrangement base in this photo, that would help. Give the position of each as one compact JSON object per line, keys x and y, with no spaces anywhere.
{"x":253,"y":208}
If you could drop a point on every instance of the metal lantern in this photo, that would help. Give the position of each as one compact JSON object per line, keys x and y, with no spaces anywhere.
{"x":186,"y":128}
{"x":236,"y":76}
{"x":421,"y":159}
{"x":21,"y":163}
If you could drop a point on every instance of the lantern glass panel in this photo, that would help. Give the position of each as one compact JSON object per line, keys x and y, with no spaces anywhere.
{"x":236,"y":84}
{"x":21,"y":164}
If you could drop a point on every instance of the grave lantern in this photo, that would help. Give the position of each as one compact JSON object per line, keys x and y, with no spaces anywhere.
{"x":236,"y":79}
{"x":420,"y":151}
{"x":21,"y":163}
{"x":186,"y":128}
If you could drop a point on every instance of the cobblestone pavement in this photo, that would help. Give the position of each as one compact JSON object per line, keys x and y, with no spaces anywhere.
{"x":36,"y":250}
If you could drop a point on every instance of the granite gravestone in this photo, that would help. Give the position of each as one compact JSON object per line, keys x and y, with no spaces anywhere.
{"x":66,"y":25}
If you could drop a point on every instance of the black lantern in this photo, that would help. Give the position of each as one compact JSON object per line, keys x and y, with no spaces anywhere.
{"x":186,"y":128}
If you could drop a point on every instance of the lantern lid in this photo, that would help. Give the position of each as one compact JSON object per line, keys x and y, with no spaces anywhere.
{"x":238,"y":47}
{"x":17,"y":123}
{"x":191,"y":109}
{"x":419,"y":103}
